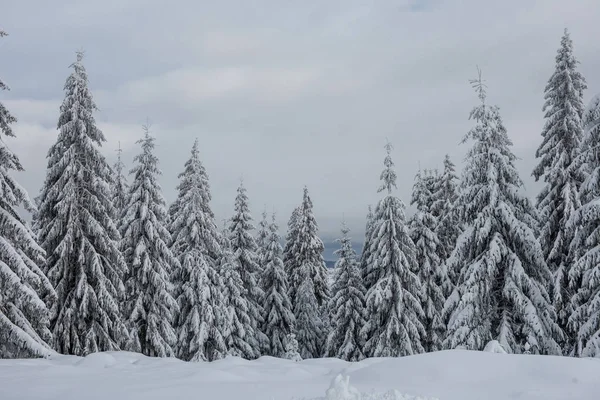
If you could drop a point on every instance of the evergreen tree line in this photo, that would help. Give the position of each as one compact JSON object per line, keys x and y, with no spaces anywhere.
{"x":106,"y":265}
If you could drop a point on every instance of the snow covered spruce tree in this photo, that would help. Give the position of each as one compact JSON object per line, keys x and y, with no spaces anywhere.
{"x":347,"y":304}
{"x":76,"y":229}
{"x":198,"y":285}
{"x":559,"y":198}
{"x":120,"y":188}
{"x":278,"y":314}
{"x":150,"y":307}
{"x":262,"y":239}
{"x":443,"y":209}
{"x":24,"y":317}
{"x":584,"y":275}
{"x":240,"y":339}
{"x":394,"y":311}
{"x":501,"y":294}
{"x":423,"y":233}
{"x":245,"y":256}
{"x":309,"y":288}
{"x":289,"y":258}
{"x":365,"y":270}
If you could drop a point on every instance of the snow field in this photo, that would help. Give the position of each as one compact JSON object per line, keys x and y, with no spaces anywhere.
{"x":446,"y":375}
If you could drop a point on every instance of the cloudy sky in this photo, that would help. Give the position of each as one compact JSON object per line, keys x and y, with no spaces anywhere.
{"x":291,"y":93}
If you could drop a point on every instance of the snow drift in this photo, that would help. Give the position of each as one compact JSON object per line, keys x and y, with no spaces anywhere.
{"x":446,"y":375}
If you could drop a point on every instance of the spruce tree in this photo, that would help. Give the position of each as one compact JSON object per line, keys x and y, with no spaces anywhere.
{"x":365,"y":269}
{"x":245,"y":257}
{"x":443,"y":208}
{"x":77,"y":230}
{"x":347,"y":304}
{"x":289,"y":256}
{"x":423,"y":233}
{"x":501,"y":293}
{"x":240,"y":339}
{"x":278,"y":314}
{"x":308,"y":280}
{"x":24,"y":289}
{"x":394,"y":311}
{"x":584,"y":276}
{"x":196,"y":244}
{"x":120,"y":188}
{"x":262,"y":240}
{"x":558,"y":200}
{"x":150,"y":306}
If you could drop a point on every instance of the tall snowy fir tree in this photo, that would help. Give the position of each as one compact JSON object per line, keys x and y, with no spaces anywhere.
{"x":394,"y":312}
{"x":201,"y":321}
{"x":366,"y":252}
{"x":150,"y":307}
{"x":558,"y":200}
{"x":262,"y":238}
{"x":24,"y":289}
{"x":308,"y":280}
{"x":289,"y":258}
{"x":120,"y":188}
{"x":501,"y":293}
{"x":347,"y":304}
{"x":278,"y":314}
{"x":584,"y":274}
{"x":444,"y":210}
{"x":76,"y":229}
{"x":240,"y":339}
{"x":423,"y":233}
{"x":245,"y":257}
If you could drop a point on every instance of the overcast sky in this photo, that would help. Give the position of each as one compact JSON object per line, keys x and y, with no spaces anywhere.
{"x":291,"y":93}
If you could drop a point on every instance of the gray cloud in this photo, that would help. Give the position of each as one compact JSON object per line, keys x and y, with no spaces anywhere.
{"x":288,"y":94}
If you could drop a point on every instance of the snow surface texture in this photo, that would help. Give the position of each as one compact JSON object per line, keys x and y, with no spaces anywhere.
{"x":446,"y":375}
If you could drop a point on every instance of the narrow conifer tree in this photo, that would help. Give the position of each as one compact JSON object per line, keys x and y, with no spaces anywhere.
{"x":289,"y":256}
{"x":558,"y":200}
{"x":77,"y":231}
{"x":120,"y":188}
{"x":198,"y":285}
{"x":24,"y":289}
{"x":584,"y":276}
{"x":423,"y":233}
{"x":501,"y":293}
{"x":245,"y":257}
{"x":150,"y":307}
{"x":347,"y":304}
{"x":365,"y":270}
{"x":394,"y":312}
{"x":278,"y":314}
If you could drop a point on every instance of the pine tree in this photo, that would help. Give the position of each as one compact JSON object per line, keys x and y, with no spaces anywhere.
{"x":77,"y":230}
{"x":559,"y":198}
{"x":310,"y":329}
{"x":245,"y":257}
{"x":24,"y":289}
{"x":196,"y":244}
{"x":291,"y":348}
{"x":443,"y":208}
{"x":150,"y":306}
{"x":423,"y":233}
{"x":584,"y":276}
{"x":347,"y":304}
{"x":240,"y":338}
{"x":501,"y":295}
{"x":120,"y":187}
{"x":278,"y":314}
{"x":394,"y":312}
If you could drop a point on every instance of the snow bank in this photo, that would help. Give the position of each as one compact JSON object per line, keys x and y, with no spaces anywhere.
{"x":446,"y":375}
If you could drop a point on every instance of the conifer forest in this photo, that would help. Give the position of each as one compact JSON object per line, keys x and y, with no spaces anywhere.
{"x":98,"y":260}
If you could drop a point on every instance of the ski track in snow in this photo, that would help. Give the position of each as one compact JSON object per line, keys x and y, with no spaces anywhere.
{"x":446,"y":375}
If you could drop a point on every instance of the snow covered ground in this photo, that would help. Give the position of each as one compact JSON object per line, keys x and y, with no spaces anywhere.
{"x":447,"y":375}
